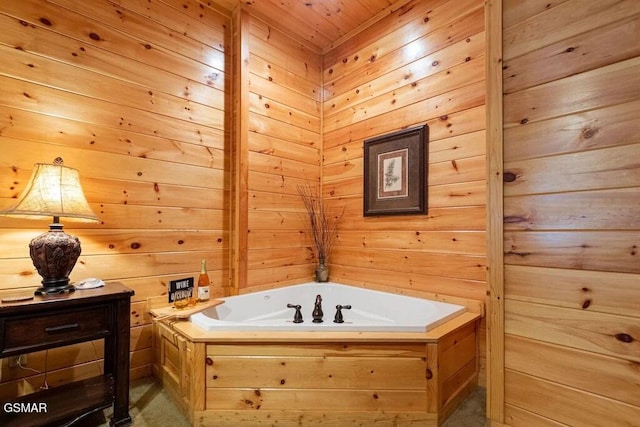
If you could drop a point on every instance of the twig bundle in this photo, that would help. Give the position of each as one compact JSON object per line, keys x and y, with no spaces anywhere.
{"x":323,"y":225}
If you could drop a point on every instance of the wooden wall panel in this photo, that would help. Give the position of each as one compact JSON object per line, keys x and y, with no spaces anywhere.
{"x":609,"y":376}
{"x":429,"y":75}
{"x":422,"y":64}
{"x":611,"y":126}
{"x":601,"y":291}
{"x":571,"y":208}
{"x":133,"y":96}
{"x":283,"y":152}
{"x":570,"y":406}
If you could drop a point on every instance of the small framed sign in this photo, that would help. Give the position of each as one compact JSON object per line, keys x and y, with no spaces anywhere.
{"x":395,"y":181}
{"x":181,"y":289}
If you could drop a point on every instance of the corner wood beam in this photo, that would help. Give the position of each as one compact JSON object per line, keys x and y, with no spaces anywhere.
{"x":495,"y":251}
{"x":240,"y":148}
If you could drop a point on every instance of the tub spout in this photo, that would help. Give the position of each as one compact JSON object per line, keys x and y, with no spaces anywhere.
{"x":317,"y":310}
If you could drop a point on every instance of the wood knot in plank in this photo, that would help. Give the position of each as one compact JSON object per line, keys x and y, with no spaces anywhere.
{"x":520,"y":254}
{"x":588,"y":133}
{"x":509,"y":176}
{"x":514,"y":219}
{"x":625,"y":338}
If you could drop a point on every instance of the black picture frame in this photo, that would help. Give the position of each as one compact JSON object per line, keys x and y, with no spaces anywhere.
{"x":395,"y":173}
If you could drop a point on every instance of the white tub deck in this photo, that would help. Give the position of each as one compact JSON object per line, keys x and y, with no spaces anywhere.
{"x":372,"y":311}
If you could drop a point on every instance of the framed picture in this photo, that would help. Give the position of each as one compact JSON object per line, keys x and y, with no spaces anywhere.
{"x":395,"y":174}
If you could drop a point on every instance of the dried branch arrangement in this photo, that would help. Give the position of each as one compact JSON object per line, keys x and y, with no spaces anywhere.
{"x":323,"y":224}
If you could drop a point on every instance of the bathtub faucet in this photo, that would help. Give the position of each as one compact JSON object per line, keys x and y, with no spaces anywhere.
{"x":317,"y":310}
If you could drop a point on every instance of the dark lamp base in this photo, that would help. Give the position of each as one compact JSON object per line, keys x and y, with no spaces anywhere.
{"x":54,"y":290}
{"x":54,"y":254}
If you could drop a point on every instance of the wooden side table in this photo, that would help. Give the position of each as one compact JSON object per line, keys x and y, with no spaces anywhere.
{"x":54,"y":321}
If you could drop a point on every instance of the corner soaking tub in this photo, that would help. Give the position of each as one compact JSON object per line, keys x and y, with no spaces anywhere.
{"x":371,"y":311}
{"x":392,"y":362}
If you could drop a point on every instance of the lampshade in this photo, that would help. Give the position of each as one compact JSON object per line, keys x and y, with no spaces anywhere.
{"x":54,"y":191}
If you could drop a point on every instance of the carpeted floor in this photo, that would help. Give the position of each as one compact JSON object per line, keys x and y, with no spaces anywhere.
{"x":152,"y":407}
{"x":471,"y":413}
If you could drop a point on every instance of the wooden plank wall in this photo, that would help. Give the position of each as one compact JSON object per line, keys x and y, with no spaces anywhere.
{"x":424,"y":63}
{"x":572,"y":212}
{"x":283,"y":151}
{"x":132,"y":94}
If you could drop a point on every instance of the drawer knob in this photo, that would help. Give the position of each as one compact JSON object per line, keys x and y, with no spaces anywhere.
{"x":61,"y":328}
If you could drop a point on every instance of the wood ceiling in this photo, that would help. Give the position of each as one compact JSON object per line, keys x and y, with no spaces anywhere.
{"x":320,"y":23}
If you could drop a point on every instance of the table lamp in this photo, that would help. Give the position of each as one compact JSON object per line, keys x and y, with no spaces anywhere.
{"x":53,"y":190}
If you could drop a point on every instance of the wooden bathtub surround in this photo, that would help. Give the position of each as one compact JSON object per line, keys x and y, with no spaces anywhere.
{"x":318,"y":378}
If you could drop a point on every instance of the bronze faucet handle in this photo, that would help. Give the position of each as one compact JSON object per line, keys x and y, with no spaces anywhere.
{"x":339,"y":308}
{"x":297,"y":317}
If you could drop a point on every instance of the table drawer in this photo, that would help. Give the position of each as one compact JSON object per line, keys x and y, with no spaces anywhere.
{"x":47,"y":330}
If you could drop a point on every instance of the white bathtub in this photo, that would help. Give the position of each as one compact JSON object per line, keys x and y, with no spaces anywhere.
{"x":371,"y":311}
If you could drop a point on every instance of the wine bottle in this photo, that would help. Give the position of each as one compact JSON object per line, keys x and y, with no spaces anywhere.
{"x":203,"y":282}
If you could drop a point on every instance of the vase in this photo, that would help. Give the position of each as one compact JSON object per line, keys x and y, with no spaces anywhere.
{"x":322,"y":271}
